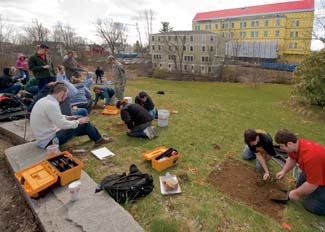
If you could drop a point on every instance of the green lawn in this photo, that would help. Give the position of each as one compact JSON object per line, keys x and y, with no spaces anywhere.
{"x":208,"y":113}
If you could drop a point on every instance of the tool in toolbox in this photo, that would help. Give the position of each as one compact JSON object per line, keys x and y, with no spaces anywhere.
{"x":162,"y":157}
{"x":60,"y":168}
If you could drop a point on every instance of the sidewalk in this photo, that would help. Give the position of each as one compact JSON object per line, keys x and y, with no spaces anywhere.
{"x":55,"y":212}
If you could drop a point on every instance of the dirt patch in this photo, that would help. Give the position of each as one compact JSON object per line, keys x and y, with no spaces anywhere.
{"x":119,"y":126}
{"x":15,"y":215}
{"x":238,"y":180}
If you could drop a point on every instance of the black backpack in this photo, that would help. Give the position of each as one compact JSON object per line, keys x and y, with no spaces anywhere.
{"x":127,"y":187}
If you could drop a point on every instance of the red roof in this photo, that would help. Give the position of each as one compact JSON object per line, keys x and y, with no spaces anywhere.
{"x":282,"y":7}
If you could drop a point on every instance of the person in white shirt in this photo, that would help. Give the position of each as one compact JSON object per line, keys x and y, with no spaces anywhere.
{"x":48,"y":123}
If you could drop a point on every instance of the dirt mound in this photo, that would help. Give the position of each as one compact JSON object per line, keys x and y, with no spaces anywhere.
{"x":238,"y":180}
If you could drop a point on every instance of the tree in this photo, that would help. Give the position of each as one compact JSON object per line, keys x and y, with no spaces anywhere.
{"x":65,"y":34}
{"x":5,"y":34}
{"x":111,"y":32}
{"x":165,"y":27}
{"x":310,"y":79}
{"x":319,"y":22}
{"x":137,"y":47}
{"x":36,"y":32}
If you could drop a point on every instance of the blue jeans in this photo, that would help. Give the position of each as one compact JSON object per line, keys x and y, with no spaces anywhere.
{"x":32,"y":89}
{"x":14,"y":89}
{"x":81,"y":111}
{"x":138,"y":130}
{"x":249,"y":155}
{"x":314,"y":202}
{"x":23,"y":73}
{"x":84,"y":129}
{"x":100,"y":78}
{"x":153,"y":113}
{"x":44,"y":81}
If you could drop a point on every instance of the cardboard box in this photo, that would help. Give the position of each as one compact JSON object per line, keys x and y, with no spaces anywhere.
{"x":159,"y":160}
{"x":61,"y":167}
{"x":111,"y":110}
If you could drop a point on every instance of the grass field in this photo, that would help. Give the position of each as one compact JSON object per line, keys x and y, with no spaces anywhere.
{"x":208,"y":113}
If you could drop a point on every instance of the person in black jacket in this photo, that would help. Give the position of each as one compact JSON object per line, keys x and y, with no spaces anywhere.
{"x":138,"y":120}
{"x":145,"y":100}
{"x":99,"y":74}
{"x":259,"y":147}
{"x":8,"y":84}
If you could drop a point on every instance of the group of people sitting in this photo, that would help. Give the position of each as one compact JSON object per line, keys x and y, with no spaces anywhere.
{"x":310,"y":157}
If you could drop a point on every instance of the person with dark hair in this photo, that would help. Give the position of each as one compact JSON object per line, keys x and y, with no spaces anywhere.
{"x":119,"y":77}
{"x":49,"y":124}
{"x":99,"y":74}
{"x":72,"y":68}
{"x":311,"y":159}
{"x":259,"y":146}
{"x":103,"y":93}
{"x":8,"y":84}
{"x":144,"y":100}
{"x":42,"y":67}
{"x":138,"y":120}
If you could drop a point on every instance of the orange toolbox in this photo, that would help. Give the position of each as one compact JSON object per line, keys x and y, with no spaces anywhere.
{"x":112,"y":110}
{"x":60,"y":167}
{"x":162,"y":157}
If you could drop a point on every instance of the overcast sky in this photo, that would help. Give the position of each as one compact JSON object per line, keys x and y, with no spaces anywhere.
{"x":81,"y":14}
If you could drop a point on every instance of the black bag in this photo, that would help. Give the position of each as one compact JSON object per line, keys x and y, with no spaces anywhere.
{"x":11,"y":107}
{"x":123,"y":188}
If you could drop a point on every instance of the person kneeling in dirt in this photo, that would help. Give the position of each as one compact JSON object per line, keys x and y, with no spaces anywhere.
{"x":145,"y":101}
{"x":138,"y":120}
{"x":311,"y":159}
{"x":103,"y":93}
{"x":48,"y":124}
{"x":259,"y":147}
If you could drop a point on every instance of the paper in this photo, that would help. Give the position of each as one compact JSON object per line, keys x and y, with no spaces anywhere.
{"x":101,"y":153}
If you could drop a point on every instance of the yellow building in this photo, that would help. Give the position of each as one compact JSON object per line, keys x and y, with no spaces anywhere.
{"x":280,"y":31}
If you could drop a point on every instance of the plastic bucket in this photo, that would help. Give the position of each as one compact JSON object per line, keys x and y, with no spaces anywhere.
{"x":74,"y":189}
{"x":163,"y":116}
{"x":128,"y":99}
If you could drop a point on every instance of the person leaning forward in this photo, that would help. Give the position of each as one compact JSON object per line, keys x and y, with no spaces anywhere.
{"x":259,"y":147}
{"x":138,"y":120}
{"x":310,"y":156}
{"x":47,"y":122}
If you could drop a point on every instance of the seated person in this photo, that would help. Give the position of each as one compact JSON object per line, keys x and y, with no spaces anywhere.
{"x":83,"y":97}
{"x":103,"y":93}
{"x":7,"y":82}
{"x":32,"y":86}
{"x":88,"y":82}
{"x":260,"y":147}
{"x":145,"y":100}
{"x":48,"y":124}
{"x":138,"y":120}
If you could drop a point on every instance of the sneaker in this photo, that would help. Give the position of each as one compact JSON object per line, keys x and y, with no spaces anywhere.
{"x":151,"y":132}
{"x":103,"y":140}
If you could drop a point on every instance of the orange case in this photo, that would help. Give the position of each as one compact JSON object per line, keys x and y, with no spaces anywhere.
{"x":42,"y":175}
{"x":160,"y":165}
{"x":111,"y":110}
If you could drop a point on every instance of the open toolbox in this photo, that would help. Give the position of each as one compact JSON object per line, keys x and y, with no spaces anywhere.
{"x":162,"y":157}
{"x":60,"y":168}
{"x":110,"y":110}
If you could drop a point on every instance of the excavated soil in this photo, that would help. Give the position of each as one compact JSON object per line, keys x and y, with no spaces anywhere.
{"x":240,"y":181}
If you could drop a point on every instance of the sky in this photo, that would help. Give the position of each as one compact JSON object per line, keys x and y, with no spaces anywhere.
{"x":81,"y":14}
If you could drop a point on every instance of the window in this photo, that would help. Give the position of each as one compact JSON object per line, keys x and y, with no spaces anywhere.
{"x":256,"y":33}
{"x":184,"y":48}
{"x":257,"y":23}
{"x":153,"y":38}
{"x":243,"y":34}
{"x":290,"y":45}
{"x":211,"y":49}
{"x":203,"y":48}
{"x":207,"y":27}
{"x":297,"y":23}
{"x":277,"y":22}
{"x":252,"y":34}
{"x":184,"y":38}
{"x":202,"y":58}
{"x":197,"y":27}
{"x":296,"y":34}
{"x":158,"y":38}
{"x":232,"y":25}
{"x":191,"y":48}
{"x":291,"y":34}
{"x":153,"y":47}
{"x":211,"y":38}
{"x":159,"y":47}
{"x":266,"y":22}
{"x":170,"y":48}
{"x":295,"y":45}
{"x":225,"y":25}
{"x":216,"y":26}
{"x":294,"y":23}
{"x":185,"y":67}
{"x":209,"y":69}
{"x":169,"y":38}
{"x":252,"y":23}
{"x":191,"y":38}
{"x":265,"y":33}
{"x":155,"y":65}
{"x":160,"y":65}
{"x":277,"y":33}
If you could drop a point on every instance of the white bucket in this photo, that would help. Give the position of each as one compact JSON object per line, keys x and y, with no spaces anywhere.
{"x":163,"y":116}
{"x":74,"y":189}
{"x":128,"y":99}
